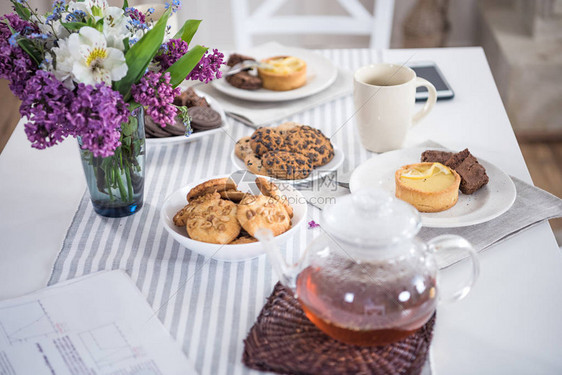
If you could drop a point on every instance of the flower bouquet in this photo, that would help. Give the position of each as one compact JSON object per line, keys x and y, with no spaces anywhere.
{"x":91,"y":71}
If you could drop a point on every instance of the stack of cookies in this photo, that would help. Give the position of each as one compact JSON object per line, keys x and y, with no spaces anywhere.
{"x":288,"y":152}
{"x":203,"y":117}
{"x":217,"y":212}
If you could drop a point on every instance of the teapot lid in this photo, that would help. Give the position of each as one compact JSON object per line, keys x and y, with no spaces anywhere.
{"x":371,"y":217}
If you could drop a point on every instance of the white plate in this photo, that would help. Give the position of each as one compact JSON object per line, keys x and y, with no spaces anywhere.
{"x":320,"y":74}
{"x":316,"y":173}
{"x":175,"y":201}
{"x":194,"y":136}
{"x":489,"y":202}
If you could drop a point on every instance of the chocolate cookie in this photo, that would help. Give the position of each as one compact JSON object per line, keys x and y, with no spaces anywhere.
{"x":286,"y":165}
{"x":237,"y":58}
{"x":153,"y":130}
{"x":204,"y":118}
{"x":312,"y":143}
{"x":245,"y":81}
{"x":266,"y":139}
{"x":177,"y":128}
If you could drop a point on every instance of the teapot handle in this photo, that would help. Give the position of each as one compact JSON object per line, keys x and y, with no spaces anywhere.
{"x":287,"y":273}
{"x":450,"y":243}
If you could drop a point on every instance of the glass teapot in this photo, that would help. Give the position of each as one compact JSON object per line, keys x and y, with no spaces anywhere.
{"x":367,"y":280}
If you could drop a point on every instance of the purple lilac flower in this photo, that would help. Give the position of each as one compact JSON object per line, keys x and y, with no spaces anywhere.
{"x":312,"y":224}
{"x":96,"y":114}
{"x":45,"y":103}
{"x":135,"y":14}
{"x":208,"y":68}
{"x":157,"y":95}
{"x":15,"y":64}
{"x":170,"y":52}
{"x":54,"y":112}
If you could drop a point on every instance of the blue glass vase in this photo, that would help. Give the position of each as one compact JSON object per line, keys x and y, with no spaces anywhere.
{"x":116,"y":183}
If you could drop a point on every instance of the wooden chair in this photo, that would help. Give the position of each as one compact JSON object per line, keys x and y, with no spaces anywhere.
{"x":359,"y":22}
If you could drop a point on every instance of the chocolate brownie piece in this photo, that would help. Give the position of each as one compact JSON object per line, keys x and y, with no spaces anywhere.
{"x":434,"y":156}
{"x":473,"y":174}
{"x":189,"y":99}
{"x":245,"y":81}
{"x":237,"y":58}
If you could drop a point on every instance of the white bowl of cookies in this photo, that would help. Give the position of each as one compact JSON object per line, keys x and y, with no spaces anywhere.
{"x":217,"y":217}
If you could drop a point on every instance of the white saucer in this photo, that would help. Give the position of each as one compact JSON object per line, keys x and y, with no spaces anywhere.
{"x":489,"y":202}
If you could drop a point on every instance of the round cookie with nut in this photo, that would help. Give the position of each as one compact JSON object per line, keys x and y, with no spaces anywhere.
{"x":266,"y":139}
{"x":312,"y":143}
{"x":243,"y":239}
{"x":270,"y":189}
{"x":256,"y":212}
{"x":216,"y":224}
{"x":211,"y":186}
{"x":286,"y":165}
{"x":197,"y":205}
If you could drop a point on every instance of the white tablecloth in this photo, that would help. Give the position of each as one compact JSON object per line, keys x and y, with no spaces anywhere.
{"x":508,"y":324}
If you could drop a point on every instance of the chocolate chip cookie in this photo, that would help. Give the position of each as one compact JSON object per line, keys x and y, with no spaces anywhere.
{"x":286,"y":165}
{"x":255,"y":212}
{"x":266,"y":139}
{"x":254,"y":164}
{"x":242,"y":148}
{"x":312,"y":143}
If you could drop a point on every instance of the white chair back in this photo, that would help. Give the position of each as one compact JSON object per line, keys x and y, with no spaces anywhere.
{"x":359,"y":22}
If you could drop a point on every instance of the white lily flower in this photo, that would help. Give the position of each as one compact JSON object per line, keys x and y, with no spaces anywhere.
{"x":93,"y":8}
{"x":115,"y":27}
{"x":93,"y":60}
{"x":64,"y":63}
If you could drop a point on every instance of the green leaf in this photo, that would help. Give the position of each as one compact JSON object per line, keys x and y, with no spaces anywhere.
{"x":73,"y":25}
{"x":129,"y":127}
{"x":99,"y":25}
{"x":140,"y":54}
{"x":187,"y":31}
{"x":22,"y":11}
{"x":31,"y":50}
{"x":125,"y":4}
{"x":181,"y":68}
{"x":126,"y":45}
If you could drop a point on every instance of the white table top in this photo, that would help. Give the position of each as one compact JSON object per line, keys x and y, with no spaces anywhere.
{"x":509,"y":324}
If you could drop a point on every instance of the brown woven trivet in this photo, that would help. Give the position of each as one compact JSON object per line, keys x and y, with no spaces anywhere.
{"x":283,"y":340}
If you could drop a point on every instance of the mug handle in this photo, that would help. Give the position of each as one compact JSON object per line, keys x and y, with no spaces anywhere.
{"x":430,"y":102}
{"x":450,"y":242}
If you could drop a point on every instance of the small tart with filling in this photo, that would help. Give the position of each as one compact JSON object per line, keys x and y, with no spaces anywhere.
{"x":430,"y":187}
{"x":282,"y":73}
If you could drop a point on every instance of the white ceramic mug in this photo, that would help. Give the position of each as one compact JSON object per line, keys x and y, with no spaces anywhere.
{"x":384,"y":96}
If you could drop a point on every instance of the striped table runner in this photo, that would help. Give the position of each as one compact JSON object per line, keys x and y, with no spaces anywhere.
{"x":208,"y":306}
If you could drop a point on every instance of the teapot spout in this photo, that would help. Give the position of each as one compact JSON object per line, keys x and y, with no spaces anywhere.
{"x":287,"y":273}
